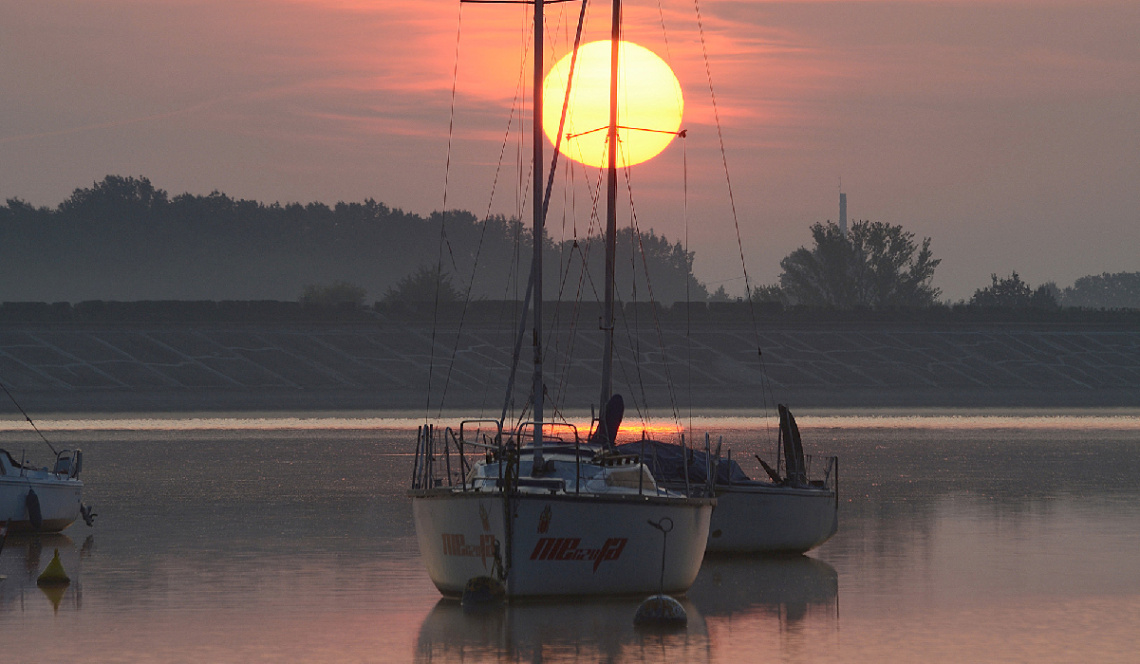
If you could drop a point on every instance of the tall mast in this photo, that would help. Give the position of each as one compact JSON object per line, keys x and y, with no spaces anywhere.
{"x":611,"y":215}
{"x":536,"y":202}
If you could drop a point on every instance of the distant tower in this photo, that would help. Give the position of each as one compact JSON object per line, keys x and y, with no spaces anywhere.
{"x":843,"y":213}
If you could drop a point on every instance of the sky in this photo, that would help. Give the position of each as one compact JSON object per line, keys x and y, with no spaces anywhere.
{"x":1006,"y":131}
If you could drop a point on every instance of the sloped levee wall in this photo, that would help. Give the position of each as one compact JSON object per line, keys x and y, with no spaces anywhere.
{"x":401,"y":363}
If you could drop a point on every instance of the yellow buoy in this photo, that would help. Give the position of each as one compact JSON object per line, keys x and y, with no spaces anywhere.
{"x":53,"y":574}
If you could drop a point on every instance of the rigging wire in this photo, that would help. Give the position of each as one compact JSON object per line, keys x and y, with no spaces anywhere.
{"x":683,"y":135}
{"x":25,"y":414}
{"x":482,"y":235}
{"x":765,"y":386}
{"x":443,"y":214}
{"x":545,"y":206}
{"x":652,"y":300}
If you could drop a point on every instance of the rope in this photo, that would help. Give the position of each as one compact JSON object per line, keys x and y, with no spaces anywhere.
{"x":443,"y":214}
{"x":34,"y":427}
{"x":688,"y":280}
{"x":735,"y":220}
{"x":479,"y":252}
{"x":653,"y":300}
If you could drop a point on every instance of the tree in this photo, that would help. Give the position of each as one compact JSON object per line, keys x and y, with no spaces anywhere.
{"x":647,"y":265}
{"x":336,"y":293}
{"x":721,"y":295}
{"x":876,"y":265}
{"x":114,"y":200}
{"x":424,"y":285}
{"x":1120,"y":290}
{"x":1013,"y":293}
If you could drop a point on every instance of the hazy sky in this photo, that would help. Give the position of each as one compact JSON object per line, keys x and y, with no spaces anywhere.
{"x":1009,"y":132}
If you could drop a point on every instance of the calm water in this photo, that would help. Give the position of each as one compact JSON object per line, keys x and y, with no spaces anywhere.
{"x":224,"y":541}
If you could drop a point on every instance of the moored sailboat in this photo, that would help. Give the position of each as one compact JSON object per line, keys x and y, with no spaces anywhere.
{"x":792,"y":512}
{"x":38,"y":499}
{"x":544,"y":509}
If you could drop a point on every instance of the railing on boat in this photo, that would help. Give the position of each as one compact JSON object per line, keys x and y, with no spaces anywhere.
{"x":433,"y":451}
{"x":822,"y":472}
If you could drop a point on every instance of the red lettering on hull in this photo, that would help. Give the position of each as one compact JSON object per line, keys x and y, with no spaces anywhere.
{"x":566,"y":548}
{"x":456,"y":545}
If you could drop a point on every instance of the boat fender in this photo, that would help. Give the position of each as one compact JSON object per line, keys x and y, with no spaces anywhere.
{"x":35,"y":515}
{"x":483,"y":593}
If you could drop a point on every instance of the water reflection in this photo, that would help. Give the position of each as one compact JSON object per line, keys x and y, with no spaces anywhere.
{"x":22,"y":559}
{"x":582,"y":630}
{"x":784,"y":587}
{"x":279,"y":545}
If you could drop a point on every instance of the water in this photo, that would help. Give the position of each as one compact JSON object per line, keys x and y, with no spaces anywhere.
{"x":233,"y":541}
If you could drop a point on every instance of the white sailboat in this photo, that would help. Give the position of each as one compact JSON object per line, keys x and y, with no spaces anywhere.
{"x":546,"y":510}
{"x":39,"y":499}
{"x":789,"y":513}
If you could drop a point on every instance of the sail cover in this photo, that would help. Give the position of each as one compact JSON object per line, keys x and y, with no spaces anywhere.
{"x":667,"y":463}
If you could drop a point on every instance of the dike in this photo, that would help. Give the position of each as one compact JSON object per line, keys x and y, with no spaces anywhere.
{"x":389,"y":362}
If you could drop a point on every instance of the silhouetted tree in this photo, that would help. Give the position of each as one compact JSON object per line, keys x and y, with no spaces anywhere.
{"x":423,"y":286}
{"x":876,"y":265}
{"x":114,"y":200}
{"x":720,"y":295}
{"x":123,"y":238}
{"x":647,"y":267}
{"x":1120,"y":290}
{"x":1013,"y":293}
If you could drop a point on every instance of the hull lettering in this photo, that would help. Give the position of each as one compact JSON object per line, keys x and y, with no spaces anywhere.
{"x":566,"y":548}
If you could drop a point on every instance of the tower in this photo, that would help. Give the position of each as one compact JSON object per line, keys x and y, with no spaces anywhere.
{"x":843,"y":213}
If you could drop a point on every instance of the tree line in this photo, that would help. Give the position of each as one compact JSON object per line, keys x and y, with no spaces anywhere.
{"x":124,"y":239}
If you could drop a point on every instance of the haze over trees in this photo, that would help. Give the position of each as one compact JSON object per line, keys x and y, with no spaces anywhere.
{"x":1013,"y":293}
{"x":1104,"y":291}
{"x":124,"y":239}
{"x":875,"y":266}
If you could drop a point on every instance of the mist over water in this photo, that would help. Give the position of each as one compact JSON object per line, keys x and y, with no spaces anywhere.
{"x":290,"y":539}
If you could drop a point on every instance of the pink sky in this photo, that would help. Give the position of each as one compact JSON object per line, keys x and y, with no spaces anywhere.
{"x":1009,"y":132}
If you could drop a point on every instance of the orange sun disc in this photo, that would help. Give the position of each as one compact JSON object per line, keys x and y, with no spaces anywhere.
{"x":650,"y":104}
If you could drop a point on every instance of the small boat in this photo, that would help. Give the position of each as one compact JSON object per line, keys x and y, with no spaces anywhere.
{"x":38,"y":499}
{"x":790,"y":513}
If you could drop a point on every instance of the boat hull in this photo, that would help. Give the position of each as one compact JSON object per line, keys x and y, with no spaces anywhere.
{"x":59,"y":501}
{"x":562,"y":544}
{"x":772,"y":519}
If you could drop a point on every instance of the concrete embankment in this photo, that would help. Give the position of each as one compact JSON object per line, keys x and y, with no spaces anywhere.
{"x":392,"y":363}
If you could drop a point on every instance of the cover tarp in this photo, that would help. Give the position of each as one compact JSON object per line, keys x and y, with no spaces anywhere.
{"x":667,"y":463}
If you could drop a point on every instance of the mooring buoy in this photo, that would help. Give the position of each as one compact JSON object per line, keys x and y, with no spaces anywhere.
{"x":661,"y":611}
{"x":53,"y":574}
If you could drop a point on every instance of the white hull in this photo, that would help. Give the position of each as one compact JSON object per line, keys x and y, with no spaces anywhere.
{"x":59,"y":501}
{"x":562,"y":544}
{"x":759,"y":518}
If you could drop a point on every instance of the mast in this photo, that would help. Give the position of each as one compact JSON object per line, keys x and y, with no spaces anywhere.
{"x":536,"y":203}
{"x":611,"y":216}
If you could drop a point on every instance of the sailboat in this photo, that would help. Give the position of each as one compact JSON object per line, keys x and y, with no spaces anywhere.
{"x":790,"y":512}
{"x":38,"y":499}
{"x":544,"y":509}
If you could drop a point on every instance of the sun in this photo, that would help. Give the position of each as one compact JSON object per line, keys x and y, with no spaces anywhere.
{"x":650,"y":104}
